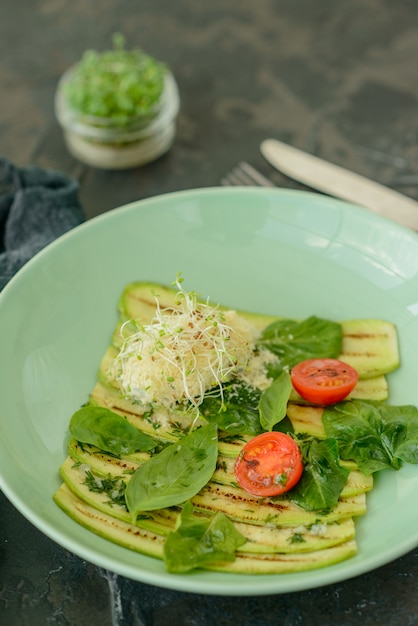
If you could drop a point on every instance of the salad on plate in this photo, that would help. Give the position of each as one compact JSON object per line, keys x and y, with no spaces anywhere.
{"x":234,"y":441}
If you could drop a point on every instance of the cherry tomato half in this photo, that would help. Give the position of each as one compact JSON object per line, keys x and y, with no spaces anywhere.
{"x":269,"y":464}
{"x":323,"y":381}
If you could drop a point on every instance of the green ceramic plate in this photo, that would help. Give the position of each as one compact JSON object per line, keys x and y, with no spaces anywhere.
{"x":274,"y":251}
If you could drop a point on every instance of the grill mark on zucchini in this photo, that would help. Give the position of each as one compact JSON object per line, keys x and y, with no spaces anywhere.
{"x":288,"y":563}
{"x":240,"y":506}
{"x":241,"y":496}
{"x":366,"y":335}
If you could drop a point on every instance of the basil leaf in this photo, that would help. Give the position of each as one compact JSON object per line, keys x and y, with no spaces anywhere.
{"x":376,"y":436}
{"x":108,"y":431}
{"x":357,"y":427}
{"x":323,"y":478}
{"x":175,"y":474}
{"x":273,"y":401}
{"x":198,"y":541}
{"x":401,"y":431}
{"x":238,"y":414}
{"x":293,"y":342}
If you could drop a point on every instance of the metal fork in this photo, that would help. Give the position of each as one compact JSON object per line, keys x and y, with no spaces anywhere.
{"x":246,"y":174}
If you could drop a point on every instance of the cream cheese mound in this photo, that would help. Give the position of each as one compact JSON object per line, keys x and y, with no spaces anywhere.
{"x":184,"y":353}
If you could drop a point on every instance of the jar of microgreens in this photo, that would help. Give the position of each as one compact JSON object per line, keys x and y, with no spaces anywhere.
{"x":117,"y":108}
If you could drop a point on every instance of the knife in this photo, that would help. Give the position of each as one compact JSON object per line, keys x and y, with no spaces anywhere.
{"x":341,"y":183}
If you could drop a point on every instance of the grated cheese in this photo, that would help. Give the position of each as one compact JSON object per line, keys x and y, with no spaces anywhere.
{"x":255,"y":373}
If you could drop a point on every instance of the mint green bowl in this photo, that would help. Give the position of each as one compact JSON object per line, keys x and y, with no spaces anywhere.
{"x":274,"y":251}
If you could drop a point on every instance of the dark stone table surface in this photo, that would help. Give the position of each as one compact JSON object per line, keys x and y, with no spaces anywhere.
{"x":337,"y":78}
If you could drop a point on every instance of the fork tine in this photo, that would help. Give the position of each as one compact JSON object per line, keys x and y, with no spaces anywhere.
{"x":256,"y":175}
{"x":238,"y":176}
{"x":234,"y":179}
{"x":246,"y":174}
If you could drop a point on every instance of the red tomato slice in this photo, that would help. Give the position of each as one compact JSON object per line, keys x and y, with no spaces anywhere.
{"x":269,"y":464}
{"x":323,"y":381}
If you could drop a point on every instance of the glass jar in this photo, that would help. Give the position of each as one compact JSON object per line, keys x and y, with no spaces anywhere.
{"x":102,"y":143}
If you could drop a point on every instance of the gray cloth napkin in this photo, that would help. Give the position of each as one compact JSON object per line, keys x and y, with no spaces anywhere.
{"x":36,"y":206}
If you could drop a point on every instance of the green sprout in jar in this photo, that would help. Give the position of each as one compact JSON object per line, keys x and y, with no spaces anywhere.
{"x":117,"y":84}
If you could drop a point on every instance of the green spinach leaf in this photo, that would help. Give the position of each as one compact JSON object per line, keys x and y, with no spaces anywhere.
{"x":323,"y":477}
{"x":377,"y":436}
{"x":175,"y":474}
{"x":198,"y":541}
{"x":293,"y":341}
{"x":273,"y":401}
{"x":108,"y":431}
{"x":238,"y":413}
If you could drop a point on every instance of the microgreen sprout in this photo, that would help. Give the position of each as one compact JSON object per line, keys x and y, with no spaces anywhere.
{"x":117,"y":84}
{"x":186,"y":352}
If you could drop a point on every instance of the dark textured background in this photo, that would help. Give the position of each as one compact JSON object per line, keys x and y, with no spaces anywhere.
{"x":335,"y":77}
